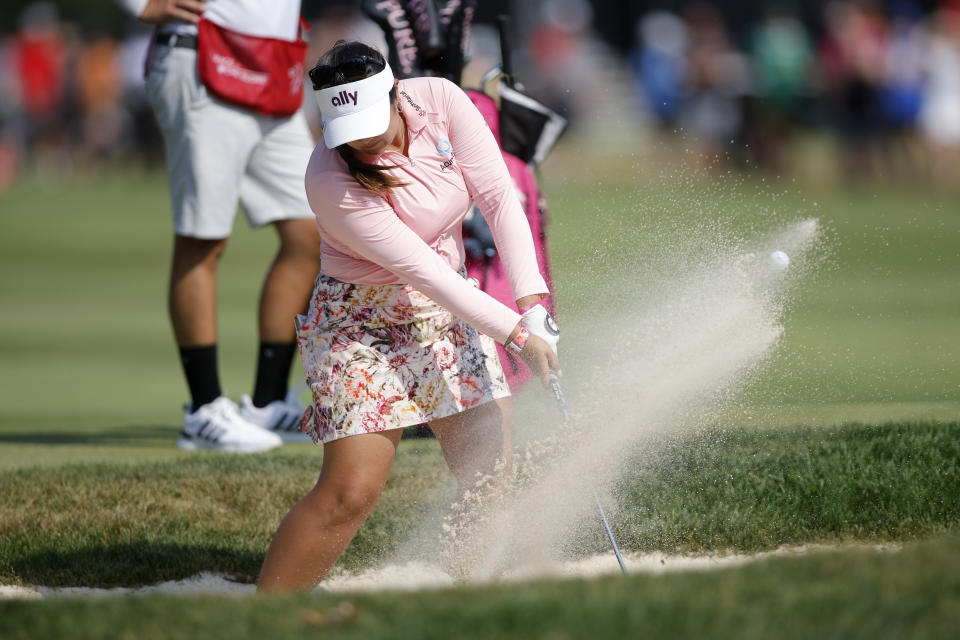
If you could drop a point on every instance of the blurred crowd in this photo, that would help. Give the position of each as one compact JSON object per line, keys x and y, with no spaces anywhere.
{"x":884,"y":81}
{"x":880,"y":81}
{"x":70,"y":97}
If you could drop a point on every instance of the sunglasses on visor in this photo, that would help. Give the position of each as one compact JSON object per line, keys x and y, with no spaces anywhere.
{"x":350,"y":70}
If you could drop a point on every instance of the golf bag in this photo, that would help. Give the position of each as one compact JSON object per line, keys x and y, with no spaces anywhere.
{"x":424,"y":37}
{"x":430,"y":37}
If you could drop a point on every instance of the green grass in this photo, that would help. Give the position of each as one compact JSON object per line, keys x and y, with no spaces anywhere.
{"x":113,"y":524}
{"x":84,"y":333}
{"x":912,"y":593}
{"x":733,"y":489}
{"x":750,"y":490}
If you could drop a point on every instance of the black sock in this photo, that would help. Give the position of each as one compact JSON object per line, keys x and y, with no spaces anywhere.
{"x":200,"y":367}
{"x":273,"y":369}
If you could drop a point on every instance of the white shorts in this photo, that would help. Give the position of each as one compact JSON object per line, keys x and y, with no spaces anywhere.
{"x":219,"y":155}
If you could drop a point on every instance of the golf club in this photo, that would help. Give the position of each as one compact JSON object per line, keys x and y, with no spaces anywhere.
{"x":558,"y":394}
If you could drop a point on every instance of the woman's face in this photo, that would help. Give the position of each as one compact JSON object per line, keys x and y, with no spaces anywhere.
{"x":378,"y":144}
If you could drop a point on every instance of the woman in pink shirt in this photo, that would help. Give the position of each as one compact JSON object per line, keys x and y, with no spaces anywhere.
{"x":395,"y":335}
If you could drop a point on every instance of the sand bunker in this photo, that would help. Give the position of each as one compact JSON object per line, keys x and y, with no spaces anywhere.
{"x":416,"y":576}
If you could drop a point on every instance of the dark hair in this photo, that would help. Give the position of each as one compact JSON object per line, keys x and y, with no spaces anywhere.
{"x":372,"y":177}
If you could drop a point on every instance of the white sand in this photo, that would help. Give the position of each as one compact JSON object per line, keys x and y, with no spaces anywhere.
{"x":415,"y":576}
{"x":10,"y":592}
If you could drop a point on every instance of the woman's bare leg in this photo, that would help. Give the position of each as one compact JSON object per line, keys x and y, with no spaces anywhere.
{"x":473,"y":445}
{"x":472,"y":442}
{"x":319,"y":527}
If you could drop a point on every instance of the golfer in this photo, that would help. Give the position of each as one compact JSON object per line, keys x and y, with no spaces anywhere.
{"x":394,"y":334}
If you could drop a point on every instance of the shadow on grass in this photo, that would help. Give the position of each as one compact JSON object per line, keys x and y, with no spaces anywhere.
{"x":133,"y":564}
{"x":132,"y":436}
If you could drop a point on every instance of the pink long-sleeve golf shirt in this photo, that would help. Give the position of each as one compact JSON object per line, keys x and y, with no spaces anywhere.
{"x":413,"y":234}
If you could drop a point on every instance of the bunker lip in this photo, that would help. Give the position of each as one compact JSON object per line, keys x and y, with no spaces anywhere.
{"x":418,"y":576}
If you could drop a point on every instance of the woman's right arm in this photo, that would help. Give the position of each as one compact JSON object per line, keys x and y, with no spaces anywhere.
{"x":367,"y":224}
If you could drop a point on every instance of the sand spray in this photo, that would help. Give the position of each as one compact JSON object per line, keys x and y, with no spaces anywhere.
{"x":657,"y":369}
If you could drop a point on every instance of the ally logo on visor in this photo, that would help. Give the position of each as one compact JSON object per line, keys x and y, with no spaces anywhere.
{"x":344,"y":97}
{"x":354,"y":96}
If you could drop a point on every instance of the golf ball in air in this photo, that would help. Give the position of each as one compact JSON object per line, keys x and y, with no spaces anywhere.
{"x":779,"y":260}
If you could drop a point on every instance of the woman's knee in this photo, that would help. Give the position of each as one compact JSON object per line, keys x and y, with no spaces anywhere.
{"x":472,"y":443}
{"x":484,"y":429}
{"x":337,"y":504}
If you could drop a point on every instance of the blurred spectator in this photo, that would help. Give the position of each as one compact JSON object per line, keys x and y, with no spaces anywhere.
{"x":37,"y":57}
{"x":717,"y":81}
{"x":10,"y":139}
{"x":852,"y":58}
{"x":901,"y":94}
{"x":782,"y":55}
{"x":144,"y":136}
{"x":940,"y":117}
{"x":104,"y":124}
{"x":660,"y":66}
{"x":556,"y":51}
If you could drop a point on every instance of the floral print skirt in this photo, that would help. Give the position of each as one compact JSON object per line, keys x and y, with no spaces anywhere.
{"x":380,"y":357}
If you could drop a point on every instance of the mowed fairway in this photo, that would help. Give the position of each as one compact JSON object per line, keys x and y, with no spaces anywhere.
{"x":852,"y":435}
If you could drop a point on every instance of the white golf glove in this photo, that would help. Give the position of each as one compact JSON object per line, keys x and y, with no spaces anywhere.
{"x":538,"y":321}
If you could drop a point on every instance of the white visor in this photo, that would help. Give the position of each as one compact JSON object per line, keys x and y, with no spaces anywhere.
{"x":355,"y":110}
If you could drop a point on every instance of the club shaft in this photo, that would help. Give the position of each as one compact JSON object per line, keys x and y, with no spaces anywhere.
{"x":558,"y":394}
{"x":613,"y":541}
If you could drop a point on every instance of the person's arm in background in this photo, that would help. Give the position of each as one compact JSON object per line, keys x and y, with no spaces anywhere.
{"x":157,"y":11}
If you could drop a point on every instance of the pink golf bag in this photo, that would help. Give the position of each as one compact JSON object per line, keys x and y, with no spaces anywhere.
{"x":483,"y":262}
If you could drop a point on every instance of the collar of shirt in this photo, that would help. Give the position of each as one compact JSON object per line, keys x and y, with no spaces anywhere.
{"x":413,"y":111}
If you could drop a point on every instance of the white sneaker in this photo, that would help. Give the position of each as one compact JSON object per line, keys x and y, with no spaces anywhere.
{"x":218,"y":425}
{"x":280,"y":417}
